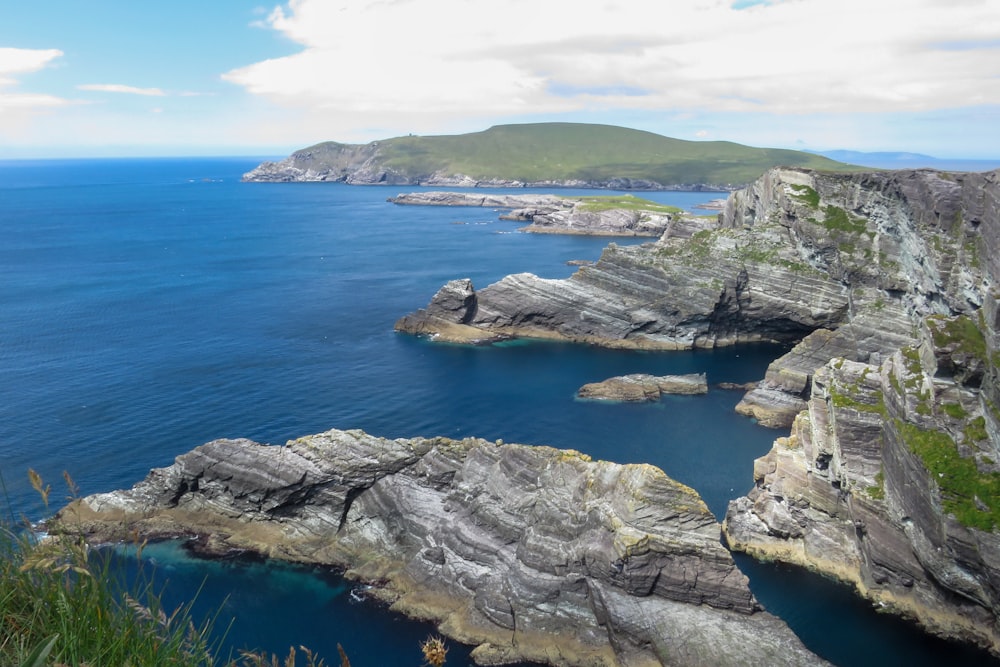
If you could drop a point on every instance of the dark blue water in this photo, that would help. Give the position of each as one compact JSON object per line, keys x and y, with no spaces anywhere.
{"x":148,"y":306}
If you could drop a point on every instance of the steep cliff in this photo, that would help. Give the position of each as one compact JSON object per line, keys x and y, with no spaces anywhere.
{"x":528,"y":552}
{"x":891,"y":480}
{"x":856,"y":260}
{"x":887,"y":285}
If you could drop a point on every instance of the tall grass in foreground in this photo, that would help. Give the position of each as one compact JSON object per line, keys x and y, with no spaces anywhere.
{"x":63,"y":604}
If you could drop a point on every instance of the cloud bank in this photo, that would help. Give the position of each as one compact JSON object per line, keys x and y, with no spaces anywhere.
{"x":478,"y":57}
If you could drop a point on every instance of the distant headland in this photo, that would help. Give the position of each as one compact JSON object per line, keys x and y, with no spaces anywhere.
{"x":578,"y":155}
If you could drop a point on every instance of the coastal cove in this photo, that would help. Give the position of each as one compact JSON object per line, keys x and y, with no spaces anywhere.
{"x":153,"y":305}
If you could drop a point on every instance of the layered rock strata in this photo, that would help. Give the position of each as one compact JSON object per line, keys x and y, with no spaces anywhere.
{"x":891,"y":481}
{"x":530,"y":553}
{"x":644,"y":387}
{"x":862,"y":256}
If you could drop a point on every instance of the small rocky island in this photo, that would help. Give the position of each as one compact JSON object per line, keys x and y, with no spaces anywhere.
{"x":644,"y":387}
{"x":526,"y":552}
{"x":886,"y":287}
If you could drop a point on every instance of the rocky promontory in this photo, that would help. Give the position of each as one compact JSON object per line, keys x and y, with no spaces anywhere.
{"x":886,"y":287}
{"x":529,"y":553}
{"x":644,"y":387}
{"x":595,"y":216}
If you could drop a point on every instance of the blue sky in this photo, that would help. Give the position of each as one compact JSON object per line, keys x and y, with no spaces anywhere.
{"x":228,"y":77}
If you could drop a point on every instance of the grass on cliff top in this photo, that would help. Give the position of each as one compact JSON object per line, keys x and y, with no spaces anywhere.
{"x":972,"y":496}
{"x":564,"y":151}
{"x":627,"y":202}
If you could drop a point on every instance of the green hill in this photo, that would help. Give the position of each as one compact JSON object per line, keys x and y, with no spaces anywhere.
{"x":546,"y":152}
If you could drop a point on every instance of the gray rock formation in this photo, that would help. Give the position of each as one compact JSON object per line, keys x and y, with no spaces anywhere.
{"x":887,"y":286}
{"x":891,"y":481}
{"x":550,"y":214}
{"x":527,"y":552}
{"x":644,"y":387}
{"x":862,"y":256}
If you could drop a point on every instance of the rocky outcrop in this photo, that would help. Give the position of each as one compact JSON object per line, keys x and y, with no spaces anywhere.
{"x":481,"y":200}
{"x":886,"y":286}
{"x":549,"y":214}
{"x":891,"y":481}
{"x":644,"y":387}
{"x":530,"y":553}
{"x":862,"y":256}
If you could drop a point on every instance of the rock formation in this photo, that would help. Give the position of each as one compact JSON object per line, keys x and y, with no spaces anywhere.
{"x":527,"y":552}
{"x":886,"y":286}
{"x":549,"y":214}
{"x":858,"y":259}
{"x":644,"y":387}
{"x":891,"y":481}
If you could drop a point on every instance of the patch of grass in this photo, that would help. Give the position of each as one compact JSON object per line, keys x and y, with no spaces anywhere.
{"x":63,"y":603}
{"x":837,"y":219}
{"x":58,"y":593}
{"x":954,"y":410}
{"x":806,"y":195}
{"x":961,"y":332}
{"x":973,"y":497}
{"x":628,"y":203}
{"x":877,"y":492}
{"x":975,"y":430}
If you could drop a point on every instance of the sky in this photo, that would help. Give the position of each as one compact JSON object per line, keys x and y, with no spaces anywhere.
{"x":232,"y":77}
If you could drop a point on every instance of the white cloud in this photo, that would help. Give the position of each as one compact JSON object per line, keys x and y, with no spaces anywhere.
{"x":24,"y":61}
{"x":119,"y":88}
{"x":482,"y":57}
{"x":20,"y":61}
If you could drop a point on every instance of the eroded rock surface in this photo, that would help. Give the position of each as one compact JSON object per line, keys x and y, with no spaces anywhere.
{"x":862,"y":256}
{"x":644,"y":387}
{"x":527,"y":552}
{"x":890,"y":480}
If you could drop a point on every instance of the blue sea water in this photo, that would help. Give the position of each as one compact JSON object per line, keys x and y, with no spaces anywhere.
{"x":148,"y":306}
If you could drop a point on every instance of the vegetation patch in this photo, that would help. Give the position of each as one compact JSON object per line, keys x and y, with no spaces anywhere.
{"x":975,"y":430}
{"x":877,"y":492}
{"x":806,"y":195}
{"x":954,"y":410}
{"x":973,"y":497}
{"x":837,"y":219}
{"x":962,"y":332}
{"x":628,"y":203}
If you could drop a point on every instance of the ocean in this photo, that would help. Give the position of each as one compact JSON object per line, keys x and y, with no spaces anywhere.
{"x":151,"y":305}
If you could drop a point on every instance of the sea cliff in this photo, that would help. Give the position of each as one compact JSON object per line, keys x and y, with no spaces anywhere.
{"x":886,"y":287}
{"x":527,"y":552}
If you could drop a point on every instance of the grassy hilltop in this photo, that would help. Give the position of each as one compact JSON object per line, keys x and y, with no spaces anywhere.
{"x":568,"y":151}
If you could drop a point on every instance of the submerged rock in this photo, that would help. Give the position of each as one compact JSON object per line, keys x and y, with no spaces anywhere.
{"x":530,"y":553}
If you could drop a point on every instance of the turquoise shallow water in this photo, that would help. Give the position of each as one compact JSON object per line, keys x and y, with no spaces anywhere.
{"x":149,"y":306}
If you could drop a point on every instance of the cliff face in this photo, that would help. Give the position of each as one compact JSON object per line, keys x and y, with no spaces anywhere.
{"x":890,"y":480}
{"x":856,"y":260}
{"x":888,"y":284}
{"x":529,"y":552}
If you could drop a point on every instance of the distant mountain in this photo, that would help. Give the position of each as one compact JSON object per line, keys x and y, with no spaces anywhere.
{"x":551,"y":154}
{"x":891,"y":160}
